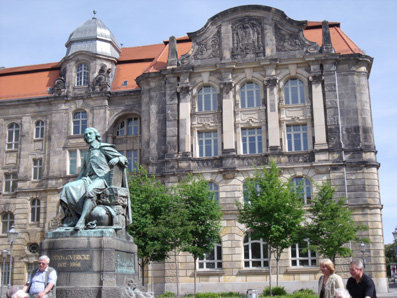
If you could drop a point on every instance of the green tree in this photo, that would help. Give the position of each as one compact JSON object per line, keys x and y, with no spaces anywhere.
{"x":204,"y":217}
{"x":157,"y":221}
{"x":273,"y":212}
{"x":331,"y":224}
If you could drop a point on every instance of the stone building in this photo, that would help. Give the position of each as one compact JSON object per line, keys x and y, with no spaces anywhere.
{"x":249,"y":85}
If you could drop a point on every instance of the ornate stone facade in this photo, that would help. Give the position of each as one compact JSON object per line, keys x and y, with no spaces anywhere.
{"x":253,"y":88}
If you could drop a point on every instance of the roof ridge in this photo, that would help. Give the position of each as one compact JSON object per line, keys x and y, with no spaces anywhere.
{"x":348,"y":40}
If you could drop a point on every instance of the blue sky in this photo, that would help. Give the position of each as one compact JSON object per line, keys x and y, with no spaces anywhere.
{"x":35,"y":32}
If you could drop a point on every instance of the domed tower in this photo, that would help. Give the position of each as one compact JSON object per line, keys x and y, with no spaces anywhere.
{"x":91,"y":55}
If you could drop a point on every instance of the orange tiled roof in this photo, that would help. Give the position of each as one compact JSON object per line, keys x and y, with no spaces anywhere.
{"x":34,"y":80}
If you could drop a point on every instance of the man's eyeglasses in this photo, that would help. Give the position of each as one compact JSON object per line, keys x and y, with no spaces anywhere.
{"x":41,"y":263}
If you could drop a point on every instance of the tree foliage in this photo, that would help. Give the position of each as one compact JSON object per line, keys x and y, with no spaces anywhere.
{"x":158,"y":219}
{"x":274,"y":211}
{"x":331,"y":224}
{"x":203,"y":215}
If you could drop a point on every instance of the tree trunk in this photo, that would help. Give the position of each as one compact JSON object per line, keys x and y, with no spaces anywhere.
{"x":195,"y":276}
{"x":177,"y":273}
{"x":270,"y":270}
{"x":277,"y":272}
{"x":142,"y":265}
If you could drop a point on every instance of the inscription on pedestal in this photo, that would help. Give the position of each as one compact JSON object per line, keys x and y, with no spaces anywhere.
{"x":75,"y":262}
{"x":125,"y":262}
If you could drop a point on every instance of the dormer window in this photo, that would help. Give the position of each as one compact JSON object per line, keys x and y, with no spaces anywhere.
{"x":125,"y":84}
{"x":82,"y":75}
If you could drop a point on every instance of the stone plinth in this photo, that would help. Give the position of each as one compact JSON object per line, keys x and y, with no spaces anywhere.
{"x":91,"y":263}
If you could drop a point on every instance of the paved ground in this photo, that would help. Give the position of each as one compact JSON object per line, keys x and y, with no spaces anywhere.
{"x":392,"y":292}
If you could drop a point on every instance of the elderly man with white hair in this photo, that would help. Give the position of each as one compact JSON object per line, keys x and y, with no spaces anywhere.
{"x":359,"y":284}
{"x":41,"y":282}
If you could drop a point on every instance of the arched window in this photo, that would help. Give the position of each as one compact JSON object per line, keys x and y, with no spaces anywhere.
{"x":250,"y":95}
{"x":128,"y":127}
{"x":35,"y":210}
{"x":305,"y":188}
{"x":13,"y":136}
{"x":7,"y":220}
{"x":300,"y":257}
{"x":207,"y":99}
{"x":82,"y":75}
{"x":79,"y":122}
{"x":256,"y":254}
{"x":215,"y":189}
{"x":294,"y":92}
{"x":246,"y":193}
{"x":39,"y":130}
{"x":212,"y":260}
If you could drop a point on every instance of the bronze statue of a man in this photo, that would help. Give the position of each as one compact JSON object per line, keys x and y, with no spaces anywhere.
{"x":79,"y":197}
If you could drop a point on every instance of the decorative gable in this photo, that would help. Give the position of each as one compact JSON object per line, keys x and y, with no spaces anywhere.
{"x":250,"y":32}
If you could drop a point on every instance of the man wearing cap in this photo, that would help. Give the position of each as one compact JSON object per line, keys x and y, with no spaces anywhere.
{"x":41,"y":282}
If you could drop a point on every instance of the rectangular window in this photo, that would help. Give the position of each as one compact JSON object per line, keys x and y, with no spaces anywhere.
{"x":132,"y":156}
{"x":83,"y":153}
{"x":29,"y":268}
{"x":39,"y":130}
{"x":297,"y":138}
{"x":208,"y":143}
{"x":300,"y":258}
{"x":72,"y":162}
{"x":10,"y":182}
{"x":37,"y":169}
{"x":5,"y":274}
{"x":252,"y":140}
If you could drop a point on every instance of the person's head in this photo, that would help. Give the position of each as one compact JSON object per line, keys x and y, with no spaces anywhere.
{"x":356,"y":269}
{"x":20,"y":294}
{"x":91,"y":131}
{"x":11,"y":291}
{"x":43,"y":263}
{"x":327,"y":267}
{"x":341,"y":293}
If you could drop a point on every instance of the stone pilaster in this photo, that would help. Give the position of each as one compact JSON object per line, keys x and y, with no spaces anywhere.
{"x":228,"y":116}
{"x":185,"y":95}
{"x":272,"y":113}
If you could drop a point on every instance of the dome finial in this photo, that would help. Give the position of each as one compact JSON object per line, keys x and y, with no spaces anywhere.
{"x":94,"y":11}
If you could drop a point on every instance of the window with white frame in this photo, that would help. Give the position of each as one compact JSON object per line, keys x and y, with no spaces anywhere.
{"x":35,"y":210}
{"x":75,"y":160}
{"x":82,"y":75}
{"x":300,"y":258}
{"x":246,"y":193}
{"x":133,"y":160}
{"x":5,"y":275}
{"x":294,"y":92}
{"x":128,"y":127}
{"x":79,"y":122}
{"x":7,"y":221}
{"x":215,"y":189}
{"x":10,"y":182}
{"x":37,"y":169}
{"x":250,"y":95}
{"x":207,"y":99}
{"x":305,"y":187}
{"x":256,"y":254}
{"x":297,"y":137}
{"x":252,"y":140}
{"x":208,"y":143}
{"x":72,"y":162}
{"x":13,"y":136}
{"x":39,"y":130}
{"x":212,"y":260}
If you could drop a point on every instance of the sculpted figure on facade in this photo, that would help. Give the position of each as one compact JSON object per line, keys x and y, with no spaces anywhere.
{"x":60,"y":83}
{"x":102,"y":80}
{"x":99,"y":195}
{"x":247,"y":38}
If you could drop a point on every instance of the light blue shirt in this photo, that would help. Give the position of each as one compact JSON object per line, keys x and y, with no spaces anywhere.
{"x":38,"y":281}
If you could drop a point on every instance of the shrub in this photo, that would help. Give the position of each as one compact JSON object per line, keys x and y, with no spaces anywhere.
{"x":304,"y":293}
{"x":276,"y":291}
{"x":167,"y":295}
{"x":207,"y":295}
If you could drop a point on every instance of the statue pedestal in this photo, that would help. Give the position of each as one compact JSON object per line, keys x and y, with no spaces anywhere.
{"x":91,"y":263}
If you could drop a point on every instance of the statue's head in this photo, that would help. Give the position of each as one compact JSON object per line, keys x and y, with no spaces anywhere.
{"x":97,"y":135}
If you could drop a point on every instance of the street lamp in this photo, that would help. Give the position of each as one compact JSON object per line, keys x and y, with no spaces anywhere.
{"x":363,"y":251}
{"x":4,"y":254}
{"x":12,"y":236}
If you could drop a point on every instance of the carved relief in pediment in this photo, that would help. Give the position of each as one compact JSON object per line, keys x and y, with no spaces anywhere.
{"x":209,"y":48}
{"x":247,"y":38}
{"x":292,"y":41}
